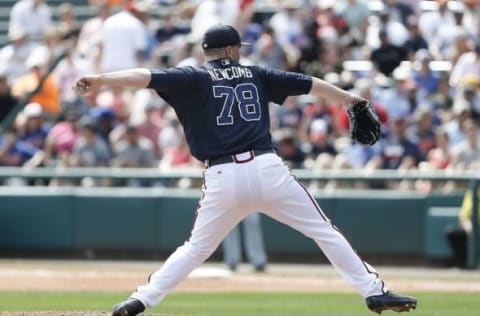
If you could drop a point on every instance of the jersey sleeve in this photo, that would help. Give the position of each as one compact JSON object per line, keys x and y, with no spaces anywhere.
{"x":281,"y":84}
{"x":172,"y":81}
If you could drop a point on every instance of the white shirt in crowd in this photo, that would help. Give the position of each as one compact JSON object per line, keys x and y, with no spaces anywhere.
{"x":211,"y":12}
{"x":397,"y":33}
{"x":89,"y":36}
{"x":33,"y":20}
{"x":467,"y":64}
{"x":122,"y":37}
{"x":432,"y":23}
{"x":13,"y":57}
{"x":287,"y":27}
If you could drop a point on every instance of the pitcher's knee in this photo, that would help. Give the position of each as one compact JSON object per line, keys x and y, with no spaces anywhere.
{"x":322,"y":231}
{"x":198,"y":251}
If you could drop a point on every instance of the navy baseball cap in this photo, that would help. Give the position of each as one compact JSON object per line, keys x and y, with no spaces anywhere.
{"x":221,"y":35}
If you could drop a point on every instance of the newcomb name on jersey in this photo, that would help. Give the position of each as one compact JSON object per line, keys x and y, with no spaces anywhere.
{"x":233,"y":72}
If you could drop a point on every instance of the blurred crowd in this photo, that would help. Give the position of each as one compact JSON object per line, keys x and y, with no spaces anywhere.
{"x":417,"y":61}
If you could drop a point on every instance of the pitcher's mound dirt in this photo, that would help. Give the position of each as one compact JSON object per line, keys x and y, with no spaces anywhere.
{"x":66,"y":314}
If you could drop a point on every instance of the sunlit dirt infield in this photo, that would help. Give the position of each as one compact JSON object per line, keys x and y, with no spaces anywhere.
{"x":35,"y":275}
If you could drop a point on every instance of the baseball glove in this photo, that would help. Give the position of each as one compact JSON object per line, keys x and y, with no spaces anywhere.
{"x":364,"y":124}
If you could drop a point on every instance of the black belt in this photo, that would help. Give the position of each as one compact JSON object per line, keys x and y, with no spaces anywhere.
{"x":238,"y":158}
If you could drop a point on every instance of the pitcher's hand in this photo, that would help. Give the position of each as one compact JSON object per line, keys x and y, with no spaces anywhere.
{"x":86,"y":84}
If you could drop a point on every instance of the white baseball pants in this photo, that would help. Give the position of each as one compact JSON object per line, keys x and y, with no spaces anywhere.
{"x":234,"y":190}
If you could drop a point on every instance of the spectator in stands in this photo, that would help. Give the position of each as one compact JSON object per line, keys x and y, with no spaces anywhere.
{"x":290,"y":116}
{"x":117,"y":99}
{"x":471,"y":18}
{"x":395,"y":95}
{"x":122,"y":41}
{"x":90,"y":150}
{"x":178,"y":157}
{"x":438,"y":158}
{"x":441,"y":156}
{"x":267,"y":51}
{"x":357,"y":156}
{"x":104,"y":121}
{"x":170,"y":28}
{"x":469,"y":92}
{"x":193,"y":54}
{"x":14,"y":55}
{"x":67,"y":20}
{"x":311,"y":46}
{"x":288,"y":29}
{"x":352,"y":24}
{"x":48,"y":96}
{"x":61,"y":139}
{"x":397,"y":151}
{"x":457,"y":236}
{"x":314,"y":108}
{"x":320,"y":140}
{"x":90,"y":32}
{"x":455,"y":128}
{"x":433,"y":23}
{"x":425,"y":79}
{"x":422,"y":132}
{"x":171,"y":133}
{"x":444,"y":41}
{"x":310,"y":49}
{"x":142,"y":12}
{"x":7,"y":100}
{"x":356,"y":12}
{"x":462,"y":44}
{"x":442,"y":101}
{"x":330,"y":29}
{"x":153,"y":124}
{"x":329,"y":23}
{"x":396,"y":33}
{"x":210,"y":12}
{"x":33,"y":17}
{"x":320,"y":43}
{"x":34,"y":130}
{"x":467,"y":152}
{"x":134,"y":151}
{"x":467,"y":64}
{"x":52,"y":45}
{"x":387,"y":57}
{"x":14,"y":152}
{"x":288,"y":148}
{"x":252,"y":32}
{"x":71,"y":67}
{"x":416,"y":41}
{"x":399,"y":10}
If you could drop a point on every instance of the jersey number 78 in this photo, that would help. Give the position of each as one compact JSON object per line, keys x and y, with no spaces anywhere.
{"x":245,"y":95}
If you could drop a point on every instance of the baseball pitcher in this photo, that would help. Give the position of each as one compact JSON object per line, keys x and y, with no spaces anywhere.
{"x":223,"y":107}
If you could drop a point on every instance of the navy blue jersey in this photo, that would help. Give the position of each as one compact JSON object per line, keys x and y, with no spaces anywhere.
{"x":223,"y":105}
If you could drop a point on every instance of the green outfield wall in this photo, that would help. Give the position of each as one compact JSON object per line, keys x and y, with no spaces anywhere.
{"x":71,"y":219}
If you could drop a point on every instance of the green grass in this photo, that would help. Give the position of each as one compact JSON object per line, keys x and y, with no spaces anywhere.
{"x":233,"y":304}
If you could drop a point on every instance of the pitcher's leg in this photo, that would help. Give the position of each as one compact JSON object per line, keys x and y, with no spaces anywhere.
{"x":298,"y":209}
{"x":211,"y":226}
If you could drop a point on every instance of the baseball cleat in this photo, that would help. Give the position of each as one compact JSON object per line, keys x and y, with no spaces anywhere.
{"x":130,"y":307}
{"x":391,"y":301}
